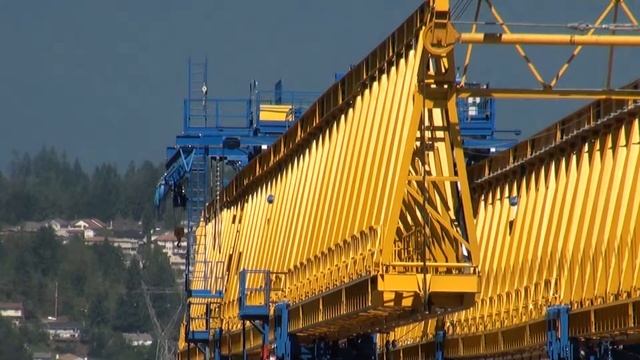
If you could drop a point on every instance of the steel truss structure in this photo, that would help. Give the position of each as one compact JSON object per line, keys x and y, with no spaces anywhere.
{"x":363,"y":219}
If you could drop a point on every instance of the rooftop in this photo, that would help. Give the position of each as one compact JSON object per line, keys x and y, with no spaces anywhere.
{"x":11,"y":306}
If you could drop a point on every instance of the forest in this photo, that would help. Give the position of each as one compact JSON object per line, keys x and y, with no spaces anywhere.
{"x":97,"y":286}
{"x":49,"y":185}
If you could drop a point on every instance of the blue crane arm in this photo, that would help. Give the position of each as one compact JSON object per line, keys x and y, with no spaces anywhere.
{"x":177,"y":167}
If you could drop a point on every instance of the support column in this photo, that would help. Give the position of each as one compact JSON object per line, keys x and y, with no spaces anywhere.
{"x":559,"y":345}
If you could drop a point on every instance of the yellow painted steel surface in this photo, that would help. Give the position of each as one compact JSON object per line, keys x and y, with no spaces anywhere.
{"x":558,"y":223}
{"x":362,"y":208}
{"x":549,"y":39}
{"x":364,"y":213}
{"x":276,"y":112}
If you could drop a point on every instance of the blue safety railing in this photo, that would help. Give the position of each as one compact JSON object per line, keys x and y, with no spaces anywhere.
{"x":477,"y":120}
{"x":255,"y":292}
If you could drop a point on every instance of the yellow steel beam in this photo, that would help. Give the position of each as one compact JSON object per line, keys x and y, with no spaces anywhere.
{"x":578,"y":49}
{"x":357,"y":244}
{"x":527,"y":340}
{"x":611,"y":48}
{"x":501,"y":93}
{"x":548,"y":39}
{"x":519,"y":49}
{"x":558,"y":218}
{"x":629,"y":13}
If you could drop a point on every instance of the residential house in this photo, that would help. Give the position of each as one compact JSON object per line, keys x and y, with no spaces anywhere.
{"x":12,"y":311}
{"x":69,"y":357}
{"x":58,"y":224}
{"x":5,"y":230}
{"x":33,"y":226}
{"x":61,"y":227}
{"x":122,"y":224}
{"x":43,"y":356}
{"x":177,"y":255}
{"x":90,"y":226}
{"x":128,"y":246}
{"x":62,"y":330}
{"x":67,"y":233}
{"x":138,"y":339}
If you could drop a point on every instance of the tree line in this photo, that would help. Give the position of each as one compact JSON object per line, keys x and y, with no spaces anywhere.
{"x":48,"y":185}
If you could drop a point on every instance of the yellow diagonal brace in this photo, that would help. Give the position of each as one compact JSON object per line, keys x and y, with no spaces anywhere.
{"x":467,"y":57}
{"x":436,"y":216}
{"x":628,"y":12}
{"x":465,"y":195}
{"x":578,"y":49}
{"x":518,"y":47}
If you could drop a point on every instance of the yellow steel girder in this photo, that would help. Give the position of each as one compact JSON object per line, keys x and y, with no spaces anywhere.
{"x":339,"y":182}
{"x":558,"y":218}
{"x":549,"y":39}
{"x":370,"y":210}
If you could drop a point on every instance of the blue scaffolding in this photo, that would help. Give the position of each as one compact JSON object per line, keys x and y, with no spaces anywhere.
{"x":477,"y":119}
{"x":217,"y":134}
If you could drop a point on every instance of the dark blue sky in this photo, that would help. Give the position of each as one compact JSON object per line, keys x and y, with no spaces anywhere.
{"x":103,"y":80}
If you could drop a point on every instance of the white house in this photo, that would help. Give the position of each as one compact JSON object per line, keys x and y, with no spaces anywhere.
{"x":13,"y":311}
{"x":60,"y":330}
{"x":69,"y":357}
{"x":138,"y":339}
{"x":128,"y":246}
{"x":177,"y":255}
{"x":89,"y":226}
{"x":43,"y":356}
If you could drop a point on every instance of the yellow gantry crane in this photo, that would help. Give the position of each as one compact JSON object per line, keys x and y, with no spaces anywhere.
{"x":362,"y":218}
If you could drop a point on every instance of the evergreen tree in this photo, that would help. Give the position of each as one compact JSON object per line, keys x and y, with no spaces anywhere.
{"x":105,"y":192}
{"x":95,"y":288}
{"x":11,"y":346}
{"x":131,"y":313}
{"x":47,"y":185}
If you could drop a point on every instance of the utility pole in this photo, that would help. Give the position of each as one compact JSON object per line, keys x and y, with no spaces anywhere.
{"x":55,"y":306}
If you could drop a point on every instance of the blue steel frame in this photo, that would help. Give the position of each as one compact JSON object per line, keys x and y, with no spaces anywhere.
{"x":256,"y":314}
{"x":477,"y":118}
{"x":559,"y":345}
{"x":207,"y":127}
{"x":248,"y":311}
{"x":283,"y":340}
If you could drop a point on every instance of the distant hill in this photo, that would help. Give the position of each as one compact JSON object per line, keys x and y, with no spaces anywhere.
{"x":96,"y":289}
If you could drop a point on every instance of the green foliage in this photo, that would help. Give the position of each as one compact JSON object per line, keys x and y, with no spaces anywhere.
{"x":48,"y":185}
{"x":96,"y":288}
{"x":112,"y":346}
{"x":157,"y":273}
{"x":131,"y":313}
{"x":31,"y":333}
{"x":11,"y":345}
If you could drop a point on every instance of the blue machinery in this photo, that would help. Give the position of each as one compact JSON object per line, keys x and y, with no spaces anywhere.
{"x":257,"y":312}
{"x":222,"y":133}
{"x":477,"y":117}
{"x":558,"y":344}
